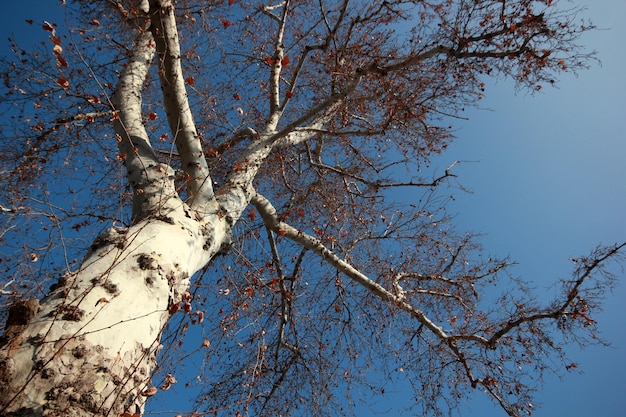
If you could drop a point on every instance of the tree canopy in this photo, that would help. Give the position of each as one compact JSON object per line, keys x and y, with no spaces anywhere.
{"x":302,"y":126}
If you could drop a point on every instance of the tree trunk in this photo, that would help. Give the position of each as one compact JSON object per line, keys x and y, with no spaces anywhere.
{"x":90,"y":347}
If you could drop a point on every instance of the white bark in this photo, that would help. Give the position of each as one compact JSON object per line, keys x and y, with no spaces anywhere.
{"x":176,"y":104}
{"x":91,"y":347}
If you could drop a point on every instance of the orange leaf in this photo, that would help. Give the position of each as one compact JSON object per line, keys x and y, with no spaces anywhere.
{"x":102,"y":300}
{"x":285,"y":61}
{"x":252,"y":214}
{"x":249,"y":291}
{"x":270,"y":61}
{"x":149,"y":392}
{"x":47,"y":26}
{"x":61,"y":61}
{"x":289,"y":94}
{"x":62,"y":81}
{"x":281,"y":232}
{"x":236,"y":96}
{"x":173,"y":308}
{"x":226,"y":23}
{"x":200,"y":315}
{"x":230,"y":2}
{"x":153,"y":116}
{"x":190,"y":80}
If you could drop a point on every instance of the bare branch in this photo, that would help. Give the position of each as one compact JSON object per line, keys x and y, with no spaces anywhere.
{"x":179,"y":115}
{"x":134,"y":145}
{"x":268,"y":213}
{"x":4,"y":290}
{"x":277,"y":62}
{"x":587,"y":268}
{"x":383,"y":184}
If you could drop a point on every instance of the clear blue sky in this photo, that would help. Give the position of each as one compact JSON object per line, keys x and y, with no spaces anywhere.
{"x":549,"y":182}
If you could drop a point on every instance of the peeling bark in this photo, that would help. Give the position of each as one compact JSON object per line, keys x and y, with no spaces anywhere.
{"x":91,"y":347}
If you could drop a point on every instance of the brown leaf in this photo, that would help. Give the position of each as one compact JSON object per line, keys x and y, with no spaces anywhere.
{"x":62,"y":81}
{"x":102,"y":300}
{"x":61,"y":61}
{"x":48,"y":27}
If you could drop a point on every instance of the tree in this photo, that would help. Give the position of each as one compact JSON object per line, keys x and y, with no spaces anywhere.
{"x":276,"y":135}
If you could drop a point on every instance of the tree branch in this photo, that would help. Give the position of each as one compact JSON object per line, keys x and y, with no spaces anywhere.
{"x":588,"y":266}
{"x":345,"y":173}
{"x":179,"y":115}
{"x":277,"y":64}
{"x":134,"y":145}
{"x":270,"y":217}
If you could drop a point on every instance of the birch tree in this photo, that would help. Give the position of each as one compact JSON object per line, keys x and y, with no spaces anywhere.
{"x":241,"y":169}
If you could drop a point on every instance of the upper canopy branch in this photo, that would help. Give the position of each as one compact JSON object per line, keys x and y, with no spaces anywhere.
{"x":277,"y":63}
{"x":381,"y":184}
{"x":179,"y":115}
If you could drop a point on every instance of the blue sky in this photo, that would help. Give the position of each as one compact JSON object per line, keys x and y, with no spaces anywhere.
{"x":548,"y":182}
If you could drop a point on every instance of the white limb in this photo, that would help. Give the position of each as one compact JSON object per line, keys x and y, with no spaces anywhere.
{"x":270,"y":217}
{"x":175,"y":100}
